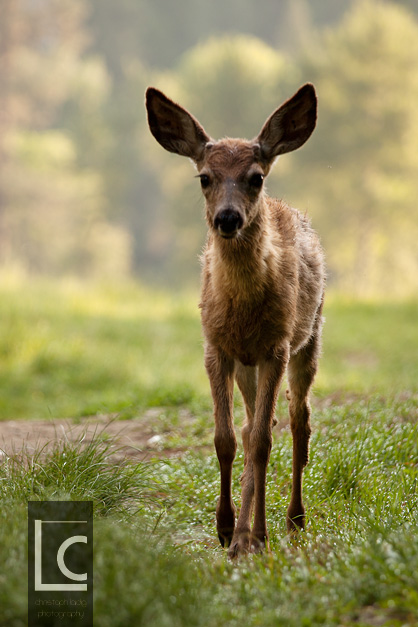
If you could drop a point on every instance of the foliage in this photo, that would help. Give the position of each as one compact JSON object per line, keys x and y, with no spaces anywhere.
{"x":159,"y":33}
{"x":229,"y":71}
{"x":51,"y":219}
{"x":84,"y":190}
{"x":354,"y":565}
{"x":358,"y":171}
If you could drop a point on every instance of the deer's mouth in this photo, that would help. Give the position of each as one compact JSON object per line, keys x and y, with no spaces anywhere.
{"x":228,"y":235}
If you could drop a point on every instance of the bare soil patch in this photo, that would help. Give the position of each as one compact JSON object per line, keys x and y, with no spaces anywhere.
{"x":133,"y":438}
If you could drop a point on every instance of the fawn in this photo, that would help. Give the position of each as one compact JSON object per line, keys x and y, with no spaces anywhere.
{"x":262,"y":292}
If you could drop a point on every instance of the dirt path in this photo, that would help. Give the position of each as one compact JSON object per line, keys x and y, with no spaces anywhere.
{"x":133,"y":438}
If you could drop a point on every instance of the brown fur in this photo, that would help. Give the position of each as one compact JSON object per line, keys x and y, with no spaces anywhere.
{"x":261,"y":303}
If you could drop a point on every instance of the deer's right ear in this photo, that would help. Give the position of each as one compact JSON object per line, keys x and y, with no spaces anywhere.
{"x":174,"y":127}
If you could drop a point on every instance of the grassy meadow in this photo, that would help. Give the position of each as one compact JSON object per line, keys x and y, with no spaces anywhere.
{"x":72,"y":350}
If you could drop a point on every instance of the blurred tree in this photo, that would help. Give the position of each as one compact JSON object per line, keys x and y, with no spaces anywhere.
{"x":8,"y":37}
{"x":32,"y":79}
{"x":131,"y":185}
{"x":231,"y":82}
{"x":359,"y":169}
{"x":295,"y":29}
{"x":53,"y":220}
{"x":157,"y":32}
{"x":77,"y":160}
{"x":411,"y":5}
{"x":50,"y":200}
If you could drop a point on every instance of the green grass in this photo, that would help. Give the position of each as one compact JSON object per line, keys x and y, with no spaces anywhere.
{"x":156,"y":556}
{"x":369,"y":346}
{"x":73,"y":350}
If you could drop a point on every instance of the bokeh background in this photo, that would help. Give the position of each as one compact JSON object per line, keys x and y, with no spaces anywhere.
{"x":85,"y":191}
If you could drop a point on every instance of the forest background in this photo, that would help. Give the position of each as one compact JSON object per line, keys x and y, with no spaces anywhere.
{"x":85,"y":191}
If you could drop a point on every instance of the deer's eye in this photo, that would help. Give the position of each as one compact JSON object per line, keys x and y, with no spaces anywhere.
{"x":256,"y":180}
{"x":204,"y":181}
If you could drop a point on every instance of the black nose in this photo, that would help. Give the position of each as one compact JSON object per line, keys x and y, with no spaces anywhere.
{"x":228,"y":221}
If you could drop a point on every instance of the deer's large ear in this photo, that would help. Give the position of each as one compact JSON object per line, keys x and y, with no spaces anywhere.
{"x":174,"y":127}
{"x":290,"y":125}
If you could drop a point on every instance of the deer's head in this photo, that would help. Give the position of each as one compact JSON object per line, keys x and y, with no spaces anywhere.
{"x":232,"y":171}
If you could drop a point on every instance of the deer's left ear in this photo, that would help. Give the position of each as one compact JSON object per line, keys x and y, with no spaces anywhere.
{"x":290,"y":125}
{"x":174,"y":127}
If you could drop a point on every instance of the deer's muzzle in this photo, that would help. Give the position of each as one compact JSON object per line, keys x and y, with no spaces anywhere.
{"x":228,"y":222}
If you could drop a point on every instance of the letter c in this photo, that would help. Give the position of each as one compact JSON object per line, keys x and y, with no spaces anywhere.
{"x":60,"y":558}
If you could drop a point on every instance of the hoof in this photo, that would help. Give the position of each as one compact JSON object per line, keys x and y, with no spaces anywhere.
{"x":225,"y":522}
{"x":246,"y":543}
{"x":295,"y":523}
{"x":225,"y":537}
{"x":239,"y":547}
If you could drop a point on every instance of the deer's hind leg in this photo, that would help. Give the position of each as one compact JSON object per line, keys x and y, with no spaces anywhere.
{"x":302,"y":369}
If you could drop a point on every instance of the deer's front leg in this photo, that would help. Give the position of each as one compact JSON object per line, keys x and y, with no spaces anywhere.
{"x":220,"y":369}
{"x":270,"y":374}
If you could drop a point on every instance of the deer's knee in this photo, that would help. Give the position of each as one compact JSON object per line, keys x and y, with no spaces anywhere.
{"x":260,"y":447}
{"x":226,"y":446}
{"x":245,"y":435}
{"x":300,"y":414}
{"x":301,"y":431}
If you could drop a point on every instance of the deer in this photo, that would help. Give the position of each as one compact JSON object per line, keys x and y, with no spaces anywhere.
{"x":262,"y":293}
